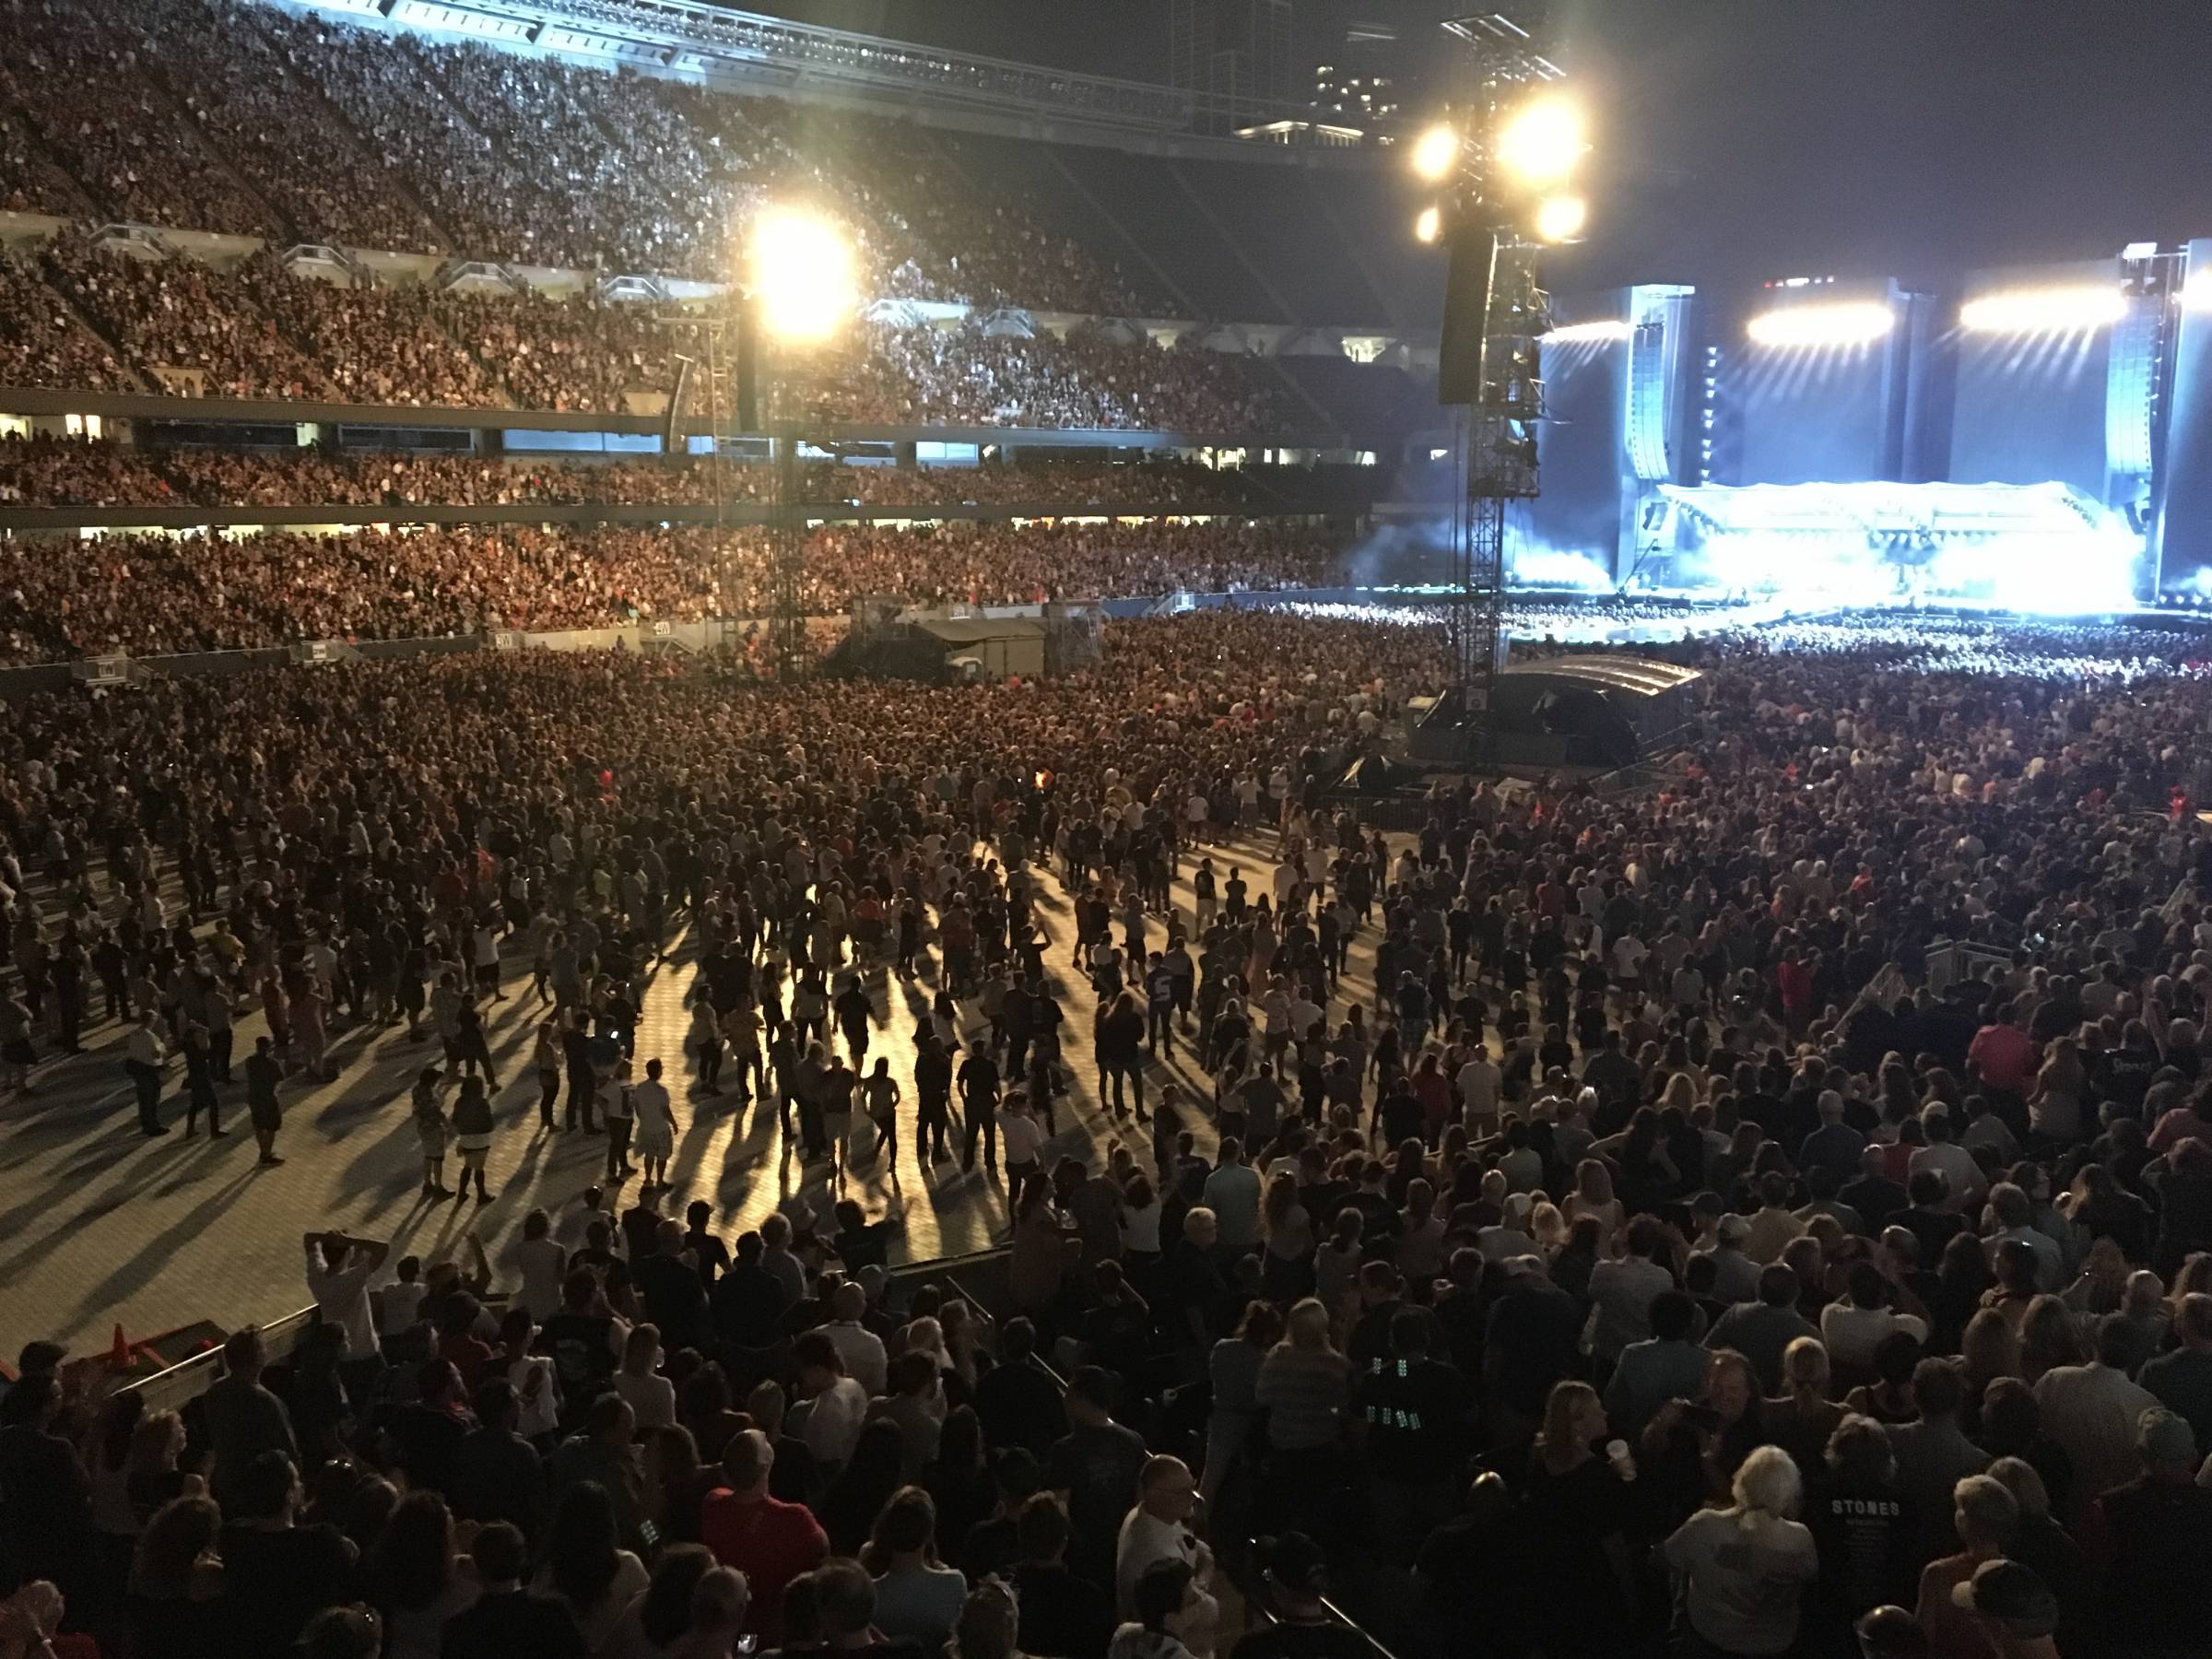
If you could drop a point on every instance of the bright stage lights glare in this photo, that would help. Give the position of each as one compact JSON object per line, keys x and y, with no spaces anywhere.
{"x":802,"y":272}
{"x":2044,"y":311}
{"x":1576,"y":334}
{"x":1540,"y":142}
{"x":1435,"y":152}
{"x":1562,"y":218}
{"x":1845,"y":323}
{"x":1429,"y":225}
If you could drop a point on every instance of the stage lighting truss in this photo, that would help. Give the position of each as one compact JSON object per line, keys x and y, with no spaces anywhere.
{"x":2076,"y":309}
{"x":1845,"y":322}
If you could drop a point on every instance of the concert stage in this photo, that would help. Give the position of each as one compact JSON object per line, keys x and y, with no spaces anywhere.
{"x":2033,"y":439}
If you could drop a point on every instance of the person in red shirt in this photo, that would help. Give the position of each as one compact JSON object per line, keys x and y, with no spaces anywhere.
{"x":2003,"y":1057}
{"x":1795,"y":981}
{"x":769,"y":1541}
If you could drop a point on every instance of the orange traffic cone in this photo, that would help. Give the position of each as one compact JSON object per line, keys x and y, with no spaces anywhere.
{"x":119,"y":1352}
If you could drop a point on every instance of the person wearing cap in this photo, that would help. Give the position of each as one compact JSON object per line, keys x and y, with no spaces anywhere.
{"x":1297,"y":1581}
{"x":2145,"y":1541}
{"x":2016,"y":1609}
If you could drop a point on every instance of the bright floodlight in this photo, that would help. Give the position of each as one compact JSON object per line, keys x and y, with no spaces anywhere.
{"x":1429,"y":225}
{"x":1435,"y":152}
{"x":2044,"y":311}
{"x":1540,"y":142}
{"x":1845,"y":323}
{"x":801,"y":271}
{"x":1577,"y":334}
{"x":1562,"y":218}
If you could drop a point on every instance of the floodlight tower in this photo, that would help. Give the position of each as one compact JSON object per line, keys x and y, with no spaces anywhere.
{"x":1500,"y":161}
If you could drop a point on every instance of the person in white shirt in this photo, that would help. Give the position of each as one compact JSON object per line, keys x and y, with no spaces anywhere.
{"x":399,"y":1303}
{"x":860,"y":1349}
{"x":1853,"y":1325}
{"x":338,"y":1270}
{"x":540,"y":1262}
{"x":145,"y":1055}
{"x":837,"y":1405}
{"x":1949,"y":1159}
{"x":1157,"y":1529}
{"x":1021,"y":1138}
{"x":1744,"y":1568}
{"x":2091,"y":1411}
{"x":1479,"y":1084}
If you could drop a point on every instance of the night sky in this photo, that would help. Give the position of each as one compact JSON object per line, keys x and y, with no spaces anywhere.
{"x":1742,"y":139}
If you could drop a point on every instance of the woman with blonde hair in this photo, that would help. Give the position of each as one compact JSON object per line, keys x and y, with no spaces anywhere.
{"x":1573,"y":1504}
{"x":1745,"y":1567}
{"x":1802,"y":1418}
{"x":1547,"y":1226}
{"x":1593,"y":1195}
{"x":1305,"y":1385}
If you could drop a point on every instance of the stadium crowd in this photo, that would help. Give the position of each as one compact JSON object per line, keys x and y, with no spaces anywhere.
{"x":155,"y":594}
{"x":256,"y":331}
{"x":1772,"y":1210}
{"x":207,"y":115}
{"x":48,"y":471}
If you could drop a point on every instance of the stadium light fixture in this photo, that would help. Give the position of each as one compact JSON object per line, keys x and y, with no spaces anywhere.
{"x":1562,"y":218}
{"x":1428,"y":225}
{"x":802,"y":274}
{"x":1843,"y":324}
{"x":1579,"y":334}
{"x":1435,"y":152}
{"x":2044,"y":311}
{"x":1540,"y":142}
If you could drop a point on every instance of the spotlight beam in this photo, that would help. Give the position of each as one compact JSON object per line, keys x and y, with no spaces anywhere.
{"x":1843,"y":324}
{"x":2044,"y":311}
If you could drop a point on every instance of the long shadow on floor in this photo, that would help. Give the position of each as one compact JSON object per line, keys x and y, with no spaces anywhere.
{"x":154,"y":1254}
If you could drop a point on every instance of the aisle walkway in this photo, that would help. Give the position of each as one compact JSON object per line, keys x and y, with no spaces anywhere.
{"x":99,"y":1226}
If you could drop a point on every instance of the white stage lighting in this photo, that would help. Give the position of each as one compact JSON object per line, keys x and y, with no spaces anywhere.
{"x":1576,"y":334}
{"x":1843,"y":324}
{"x":1562,"y":218}
{"x":2044,"y":311}
{"x":1435,"y":152}
{"x":1429,"y":225}
{"x":802,"y":274}
{"x":1540,"y":142}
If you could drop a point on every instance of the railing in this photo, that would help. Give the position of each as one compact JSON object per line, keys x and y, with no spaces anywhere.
{"x":170,"y":1390}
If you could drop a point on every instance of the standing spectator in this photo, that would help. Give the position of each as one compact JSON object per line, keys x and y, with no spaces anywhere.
{"x":1747,"y":1566}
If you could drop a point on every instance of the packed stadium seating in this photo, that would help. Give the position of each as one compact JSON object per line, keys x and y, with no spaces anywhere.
{"x":46,"y":471}
{"x":159,"y":594}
